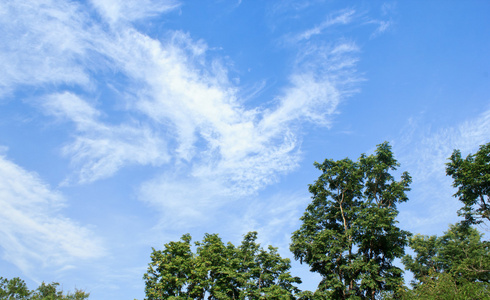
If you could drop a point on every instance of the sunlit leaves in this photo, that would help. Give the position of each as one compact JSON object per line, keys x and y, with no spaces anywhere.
{"x":348,"y":233}
{"x":16,"y":289}
{"x":219,"y":271}
{"x":471,"y":176}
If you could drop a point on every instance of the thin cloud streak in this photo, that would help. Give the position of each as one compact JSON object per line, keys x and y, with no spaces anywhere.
{"x":341,"y":17}
{"x":382,"y":26}
{"x":42,"y":43}
{"x":100,"y":150}
{"x":32,"y":231}
{"x":132,"y":10}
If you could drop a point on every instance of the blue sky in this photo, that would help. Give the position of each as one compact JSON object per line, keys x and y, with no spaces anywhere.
{"x":125,"y":124}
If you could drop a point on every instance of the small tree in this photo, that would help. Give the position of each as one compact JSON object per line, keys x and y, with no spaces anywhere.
{"x":472,"y":179}
{"x":348,"y":233}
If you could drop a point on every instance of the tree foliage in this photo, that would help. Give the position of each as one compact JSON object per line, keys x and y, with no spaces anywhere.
{"x":16,"y":289}
{"x":348,"y":233}
{"x":471,"y":177}
{"x":444,"y":286}
{"x":460,"y":252}
{"x":219,"y":271}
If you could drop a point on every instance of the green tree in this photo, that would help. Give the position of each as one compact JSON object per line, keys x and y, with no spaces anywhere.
{"x":348,"y":233}
{"x":50,"y":292}
{"x":219,"y":271}
{"x":217,"y":266}
{"x":266,"y":274}
{"x":447,"y":286}
{"x":170,"y":273}
{"x":425,"y":262}
{"x":16,"y":289}
{"x":471,"y":177}
{"x":443,"y":287}
{"x":460,"y":252}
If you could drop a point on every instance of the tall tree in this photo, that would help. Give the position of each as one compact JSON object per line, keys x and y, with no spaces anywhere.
{"x":471,"y":177}
{"x":348,"y":233}
{"x":219,"y":271}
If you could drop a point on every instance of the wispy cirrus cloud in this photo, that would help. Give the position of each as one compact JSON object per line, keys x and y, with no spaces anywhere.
{"x":44,"y":43}
{"x":99,"y":150}
{"x":341,"y":17}
{"x":33,"y":232}
{"x":131,"y":10}
{"x":388,"y":9}
{"x":382,"y":26}
{"x":191,"y":119}
{"x":244,"y":150}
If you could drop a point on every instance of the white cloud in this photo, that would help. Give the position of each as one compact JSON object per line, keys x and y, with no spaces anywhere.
{"x":341,"y":17}
{"x":42,"y":43}
{"x":131,"y":10}
{"x":387,"y":10}
{"x":382,"y":26}
{"x":70,"y":106}
{"x":99,"y":150}
{"x":32,"y":231}
{"x":186,"y":106}
{"x":223,"y":148}
{"x":240,"y":150}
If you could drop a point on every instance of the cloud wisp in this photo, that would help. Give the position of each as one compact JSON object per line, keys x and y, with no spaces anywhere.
{"x":43,"y":43}
{"x":132,"y":10}
{"x":342,"y":17}
{"x":100,"y":150}
{"x":191,"y":122}
{"x":32,"y":230}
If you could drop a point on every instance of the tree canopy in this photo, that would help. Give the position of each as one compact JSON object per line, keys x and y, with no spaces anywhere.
{"x":471,"y":177}
{"x":348,"y":233}
{"x":16,"y":289}
{"x":453,"y":266}
{"x":460,"y":252}
{"x":219,"y":271}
